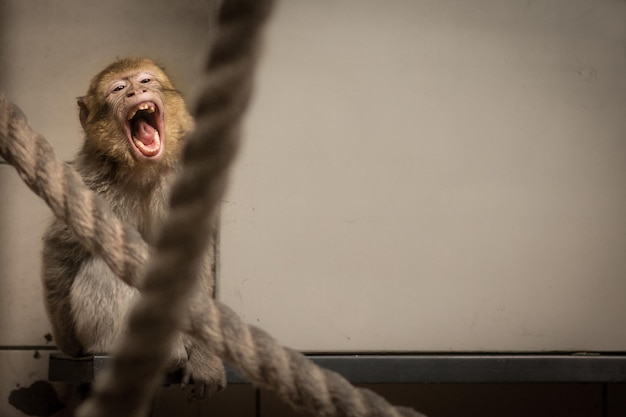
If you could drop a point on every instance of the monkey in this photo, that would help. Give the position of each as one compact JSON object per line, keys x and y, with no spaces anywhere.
{"x":134,"y":123}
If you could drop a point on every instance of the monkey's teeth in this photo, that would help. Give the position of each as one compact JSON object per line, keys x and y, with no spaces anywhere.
{"x":149,"y":107}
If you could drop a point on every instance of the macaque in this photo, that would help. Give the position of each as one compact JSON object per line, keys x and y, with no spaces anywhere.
{"x":134,"y":122}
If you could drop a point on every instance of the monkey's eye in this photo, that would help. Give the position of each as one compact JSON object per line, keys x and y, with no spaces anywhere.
{"x":145,"y":80}
{"x":118,"y":88}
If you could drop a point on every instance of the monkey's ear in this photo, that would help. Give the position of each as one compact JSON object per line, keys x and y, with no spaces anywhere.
{"x":83,"y":106}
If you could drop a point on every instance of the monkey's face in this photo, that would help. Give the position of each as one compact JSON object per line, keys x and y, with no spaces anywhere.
{"x":137,"y":106}
{"x":133,"y":114}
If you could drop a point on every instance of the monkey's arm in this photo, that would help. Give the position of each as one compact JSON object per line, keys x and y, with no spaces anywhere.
{"x":62,"y":257}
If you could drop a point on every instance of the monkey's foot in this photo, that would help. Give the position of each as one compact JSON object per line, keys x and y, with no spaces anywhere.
{"x":206,"y":371}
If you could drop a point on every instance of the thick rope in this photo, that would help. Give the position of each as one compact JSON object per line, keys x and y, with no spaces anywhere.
{"x":124,"y":390}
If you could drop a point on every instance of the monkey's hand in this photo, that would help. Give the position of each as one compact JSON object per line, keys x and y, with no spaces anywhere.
{"x":179,"y":355}
{"x":205,"y":370}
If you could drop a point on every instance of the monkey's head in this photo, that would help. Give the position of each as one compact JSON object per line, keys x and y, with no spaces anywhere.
{"x":133,"y":115}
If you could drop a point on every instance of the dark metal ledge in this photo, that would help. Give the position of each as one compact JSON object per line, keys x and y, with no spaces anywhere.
{"x":411,"y":368}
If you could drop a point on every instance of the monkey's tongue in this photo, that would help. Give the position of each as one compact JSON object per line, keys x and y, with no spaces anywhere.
{"x":146,"y":138}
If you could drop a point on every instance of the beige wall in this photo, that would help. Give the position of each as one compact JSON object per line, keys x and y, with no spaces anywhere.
{"x":417,"y":175}
{"x":435,"y":175}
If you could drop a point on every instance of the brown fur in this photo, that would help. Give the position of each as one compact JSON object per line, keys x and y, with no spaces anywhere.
{"x":87,"y":304}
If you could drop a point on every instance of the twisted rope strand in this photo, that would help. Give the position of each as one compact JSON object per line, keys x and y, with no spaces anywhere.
{"x":125,"y":389}
{"x":289,"y":374}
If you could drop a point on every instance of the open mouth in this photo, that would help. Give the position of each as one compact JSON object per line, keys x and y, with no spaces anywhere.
{"x":144,"y":127}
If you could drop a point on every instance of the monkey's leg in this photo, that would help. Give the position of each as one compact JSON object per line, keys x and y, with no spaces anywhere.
{"x":203,"y":368}
{"x":62,"y":257}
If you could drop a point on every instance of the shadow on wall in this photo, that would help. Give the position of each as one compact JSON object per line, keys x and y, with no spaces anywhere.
{"x":4,"y":61}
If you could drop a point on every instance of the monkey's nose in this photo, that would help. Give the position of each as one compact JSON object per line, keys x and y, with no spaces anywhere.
{"x":131,"y":93}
